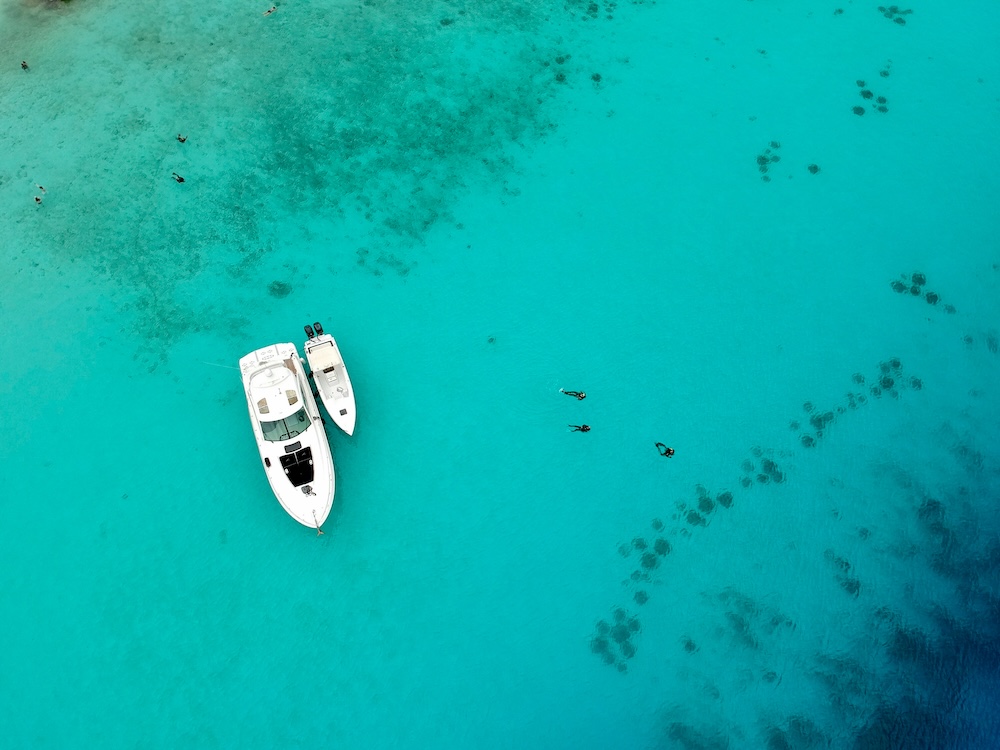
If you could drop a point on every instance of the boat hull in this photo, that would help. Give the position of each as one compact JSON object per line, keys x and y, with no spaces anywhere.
{"x":332,"y":381}
{"x":289,"y":432}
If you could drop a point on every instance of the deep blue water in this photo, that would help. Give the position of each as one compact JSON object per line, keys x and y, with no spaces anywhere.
{"x":486,"y":203}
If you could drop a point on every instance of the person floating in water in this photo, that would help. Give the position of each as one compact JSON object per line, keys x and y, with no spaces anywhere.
{"x":39,"y":187}
{"x":24,"y":65}
{"x":177,"y":177}
{"x":580,"y":395}
{"x":664,"y":450}
{"x":181,"y":138}
{"x":270,"y":10}
{"x":579,"y":428}
{"x":38,"y":200}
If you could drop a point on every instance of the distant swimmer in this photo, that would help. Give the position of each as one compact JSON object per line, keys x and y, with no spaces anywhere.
{"x":38,"y":200}
{"x":177,"y":177}
{"x":580,"y":395}
{"x":270,"y":10}
{"x":181,"y":138}
{"x":24,"y":65}
{"x":39,"y":187}
{"x":664,"y":450}
{"x":579,"y":428}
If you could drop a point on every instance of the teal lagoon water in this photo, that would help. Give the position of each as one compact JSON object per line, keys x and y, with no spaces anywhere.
{"x":484,"y":204}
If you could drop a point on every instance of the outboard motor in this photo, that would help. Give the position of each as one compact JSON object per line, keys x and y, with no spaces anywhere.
{"x":309,"y":330}
{"x":319,"y":328}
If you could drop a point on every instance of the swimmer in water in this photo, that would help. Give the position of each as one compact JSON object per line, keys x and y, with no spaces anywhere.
{"x":580,"y":395}
{"x":39,"y":187}
{"x":181,"y":138}
{"x":38,"y":200}
{"x":24,"y":65}
{"x":664,"y":450}
{"x":177,"y":177}
{"x":270,"y":10}
{"x":579,"y":428}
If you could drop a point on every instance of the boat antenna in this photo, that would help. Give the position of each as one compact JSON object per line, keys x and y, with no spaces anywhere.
{"x":319,"y":531}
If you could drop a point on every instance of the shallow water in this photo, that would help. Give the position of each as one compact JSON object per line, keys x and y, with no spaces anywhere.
{"x":485,"y":204}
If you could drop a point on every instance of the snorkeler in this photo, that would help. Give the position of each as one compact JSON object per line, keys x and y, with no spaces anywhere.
{"x":181,"y":138}
{"x":664,"y":450}
{"x":177,"y":177}
{"x":38,"y":200}
{"x":24,"y":65}
{"x":39,"y":187}
{"x":579,"y":428}
{"x":580,"y":395}
{"x":270,"y":10}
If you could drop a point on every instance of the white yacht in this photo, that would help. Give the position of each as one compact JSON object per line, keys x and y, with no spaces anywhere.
{"x":330,"y":376}
{"x":289,"y":431}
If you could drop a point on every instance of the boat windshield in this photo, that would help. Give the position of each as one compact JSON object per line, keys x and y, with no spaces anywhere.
{"x":287,"y":428}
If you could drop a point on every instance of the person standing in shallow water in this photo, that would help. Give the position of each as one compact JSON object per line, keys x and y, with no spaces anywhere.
{"x":579,"y":428}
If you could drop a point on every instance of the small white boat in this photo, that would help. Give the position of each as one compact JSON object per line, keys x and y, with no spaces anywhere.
{"x":330,"y":376}
{"x":289,"y":431}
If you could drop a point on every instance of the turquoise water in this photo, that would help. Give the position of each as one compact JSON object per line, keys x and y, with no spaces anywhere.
{"x":485,"y":204}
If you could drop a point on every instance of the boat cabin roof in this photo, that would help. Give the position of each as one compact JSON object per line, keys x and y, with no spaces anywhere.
{"x":274,"y":391}
{"x":323,"y":356}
